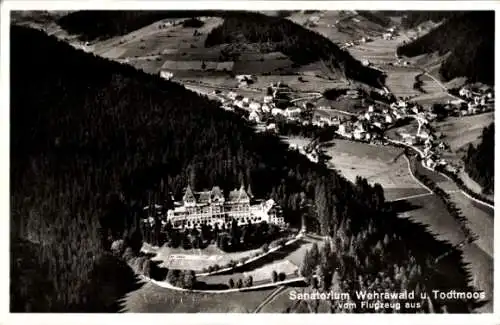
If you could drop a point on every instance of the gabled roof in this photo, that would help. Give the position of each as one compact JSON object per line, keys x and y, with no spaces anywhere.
{"x":216,"y":194}
{"x":204,"y":197}
{"x":238,"y":195}
{"x":189,"y":196}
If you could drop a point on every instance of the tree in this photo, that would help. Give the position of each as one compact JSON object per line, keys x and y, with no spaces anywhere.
{"x":173,"y":277}
{"x":231,"y":283}
{"x":249,"y":281}
{"x":239,"y":283}
{"x":235,"y":234}
{"x":281,"y":276}
{"x":307,"y":266}
{"x":146,"y":268}
{"x":118,"y":247}
{"x":274,"y":276}
{"x":314,"y":254}
{"x":189,"y":280}
{"x":128,"y":254}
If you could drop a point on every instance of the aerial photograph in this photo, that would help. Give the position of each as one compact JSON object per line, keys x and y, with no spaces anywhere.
{"x":230,"y":161}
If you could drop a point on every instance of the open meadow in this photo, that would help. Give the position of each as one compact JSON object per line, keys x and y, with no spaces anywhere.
{"x":459,"y":132}
{"x":151,"y":298}
{"x":384,"y":165}
{"x":400,"y":81}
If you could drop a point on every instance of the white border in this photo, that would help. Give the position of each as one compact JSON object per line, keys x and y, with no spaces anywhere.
{"x":134,"y":319}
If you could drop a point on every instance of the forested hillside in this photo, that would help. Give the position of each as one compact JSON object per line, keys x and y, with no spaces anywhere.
{"x":90,"y":137}
{"x":469,"y":37}
{"x":480,"y":160}
{"x":302,"y":45}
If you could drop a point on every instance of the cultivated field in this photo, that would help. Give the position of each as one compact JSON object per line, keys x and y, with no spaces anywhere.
{"x":338,"y":26}
{"x":428,"y":99}
{"x":400,"y":81}
{"x":378,"y":52}
{"x":384,"y":165}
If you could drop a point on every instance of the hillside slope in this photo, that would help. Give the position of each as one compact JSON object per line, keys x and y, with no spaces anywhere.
{"x":270,"y":33}
{"x":107,"y":23}
{"x":91,"y":137}
{"x":469,"y":37}
{"x":302,"y":45}
{"x":86,"y":131}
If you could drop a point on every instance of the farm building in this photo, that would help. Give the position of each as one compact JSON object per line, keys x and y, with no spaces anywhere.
{"x":166,"y":74}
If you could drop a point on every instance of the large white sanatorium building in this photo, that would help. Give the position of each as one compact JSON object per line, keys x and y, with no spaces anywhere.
{"x":210,"y":207}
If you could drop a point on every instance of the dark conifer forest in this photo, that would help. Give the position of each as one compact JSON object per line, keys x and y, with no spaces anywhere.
{"x":480,"y":160}
{"x":469,"y":37}
{"x":90,"y":138}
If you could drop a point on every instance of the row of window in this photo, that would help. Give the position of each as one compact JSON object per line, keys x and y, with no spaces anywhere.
{"x":204,"y":220}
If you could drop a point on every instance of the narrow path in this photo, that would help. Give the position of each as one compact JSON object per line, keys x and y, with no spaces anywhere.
{"x":269,"y":298}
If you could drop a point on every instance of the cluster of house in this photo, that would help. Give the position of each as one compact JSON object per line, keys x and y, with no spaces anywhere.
{"x":370,"y":125}
{"x":259,"y":109}
{"x":474,"y":101}
{"x":389,"y":34}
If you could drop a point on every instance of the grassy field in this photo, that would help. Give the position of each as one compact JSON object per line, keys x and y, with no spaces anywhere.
{"x":383,"y":165}
{"x":460,"y":131}
{"x":153,"y":299}
{"x":377,"y":52}
{"x":400,"y":81}
{"x":197,"y":259}
{"x":480,"y":220}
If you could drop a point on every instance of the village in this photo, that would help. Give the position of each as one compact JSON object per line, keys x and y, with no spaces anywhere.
{"x":368,"y":125}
